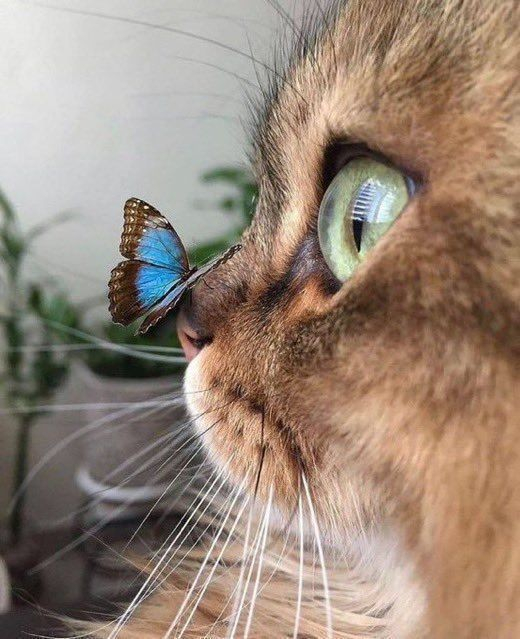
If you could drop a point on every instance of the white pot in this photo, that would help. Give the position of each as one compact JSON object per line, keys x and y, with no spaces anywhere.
{"x":133,"y":428}
{"x":5,"y":588}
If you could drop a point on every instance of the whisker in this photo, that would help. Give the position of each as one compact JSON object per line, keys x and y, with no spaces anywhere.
{"x":42,"y":348}
{"x":168,"y":633}
{"x":241,"y":588}
{"x":100,"y":495}
{"x":69,"y":408}
{"x":328,"y":609}
{"x":300,"y":571}
{"x":190,"y":512}
{"x":139,"y":596}
{"x":168,"y":487}
{"x":163,"y":578}
{"x":175,"y":30}
{"x":265,"y":526}
{"x":88,"y":533}
{"x":139,"y":354}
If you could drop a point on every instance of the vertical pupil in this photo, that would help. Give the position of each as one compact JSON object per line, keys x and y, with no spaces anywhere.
{"x":363,"y":204}
{"x":357,"y":229}
{"x":371,"y":203}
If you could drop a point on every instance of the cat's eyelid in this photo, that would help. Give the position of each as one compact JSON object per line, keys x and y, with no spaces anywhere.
{"x":340,"y":152}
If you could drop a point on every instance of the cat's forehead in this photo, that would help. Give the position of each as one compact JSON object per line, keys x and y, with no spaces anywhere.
{"x":408,"y":79}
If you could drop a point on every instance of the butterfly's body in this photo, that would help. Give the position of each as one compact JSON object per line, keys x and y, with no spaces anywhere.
{"x":156,"y":274}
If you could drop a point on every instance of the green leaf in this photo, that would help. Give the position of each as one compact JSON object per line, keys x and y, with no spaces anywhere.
{"x":7,"y":208}
{"x":233,"y":175}
{"x":228,"y":203}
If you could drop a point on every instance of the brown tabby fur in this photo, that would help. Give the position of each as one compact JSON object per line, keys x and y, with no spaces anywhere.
{"x":398,"y":393}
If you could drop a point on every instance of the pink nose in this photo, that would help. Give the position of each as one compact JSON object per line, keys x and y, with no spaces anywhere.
{"x":191,"y":342}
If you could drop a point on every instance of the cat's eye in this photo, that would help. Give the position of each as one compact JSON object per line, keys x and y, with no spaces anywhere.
{"x":358,"y":208}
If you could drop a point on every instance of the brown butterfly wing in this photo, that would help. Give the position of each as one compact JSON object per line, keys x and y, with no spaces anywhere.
{"x":124,"y":302}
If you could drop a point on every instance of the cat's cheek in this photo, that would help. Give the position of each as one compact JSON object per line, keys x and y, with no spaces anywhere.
{"x":193,"y":388}
{"x":201,"y":410}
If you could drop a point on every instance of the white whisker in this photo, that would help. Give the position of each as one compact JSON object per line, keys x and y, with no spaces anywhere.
{"x":300,"y":571}
{"x":216,"y":563}
{"x":145,"y":588}
{"x":110,"y":346}
{"x":158,"y":500}
{"x":238,"y":588}
{"x":265,"y":525}
{"x":106,"y":419}
{"x":314,"y":520}
{"x":242,"y":586}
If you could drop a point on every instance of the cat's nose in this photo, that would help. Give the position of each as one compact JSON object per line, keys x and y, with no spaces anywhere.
{"x":192,"y":340}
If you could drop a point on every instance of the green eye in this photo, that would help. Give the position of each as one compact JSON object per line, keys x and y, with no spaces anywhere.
{"x":358,"y":208}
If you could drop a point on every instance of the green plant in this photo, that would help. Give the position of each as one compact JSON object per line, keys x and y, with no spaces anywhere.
{"x":239,"y":203}
{"x":30,"y":313}
{"x":121,"y":363}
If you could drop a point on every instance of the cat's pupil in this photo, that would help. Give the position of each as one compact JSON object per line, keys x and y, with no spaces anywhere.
{"x":371,"y":203}
{"x":357,"y":229}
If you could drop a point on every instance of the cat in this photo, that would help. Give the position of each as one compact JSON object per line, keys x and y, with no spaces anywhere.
{"x":373,"y":412}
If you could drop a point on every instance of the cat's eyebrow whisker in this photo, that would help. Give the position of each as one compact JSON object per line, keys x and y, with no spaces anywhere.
{"x":175,"y":30}
{"x":325,"y":18}
{"x":298,"y":32}
{"x":317,"y":536}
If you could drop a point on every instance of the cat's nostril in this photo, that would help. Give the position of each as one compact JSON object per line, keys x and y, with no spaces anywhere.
{"x":191,"y":340}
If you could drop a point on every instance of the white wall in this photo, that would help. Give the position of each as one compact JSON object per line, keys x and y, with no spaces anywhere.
{"x":96,"y":110}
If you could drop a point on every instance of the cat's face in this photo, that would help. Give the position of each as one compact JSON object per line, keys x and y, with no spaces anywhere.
{"x":360,"y":386}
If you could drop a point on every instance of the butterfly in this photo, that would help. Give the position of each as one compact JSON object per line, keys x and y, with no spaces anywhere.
{"x":156,"y":273}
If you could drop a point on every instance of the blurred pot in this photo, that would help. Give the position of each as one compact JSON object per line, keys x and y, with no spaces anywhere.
{"x":129,"y":459}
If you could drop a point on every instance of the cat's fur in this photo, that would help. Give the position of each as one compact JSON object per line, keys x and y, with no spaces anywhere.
{"x":396,"y":395}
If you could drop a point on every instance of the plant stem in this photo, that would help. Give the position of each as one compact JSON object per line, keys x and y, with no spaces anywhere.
{"x":20,"y":472}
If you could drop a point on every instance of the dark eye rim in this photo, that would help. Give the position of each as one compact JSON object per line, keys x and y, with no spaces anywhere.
{"x":339,"y":153}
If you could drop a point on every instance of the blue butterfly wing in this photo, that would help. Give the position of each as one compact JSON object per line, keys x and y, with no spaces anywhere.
{"x":149,"y":237}
{"x":157,"y":263}
{"x":172,"y":298}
